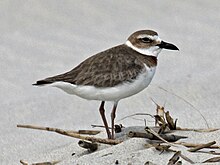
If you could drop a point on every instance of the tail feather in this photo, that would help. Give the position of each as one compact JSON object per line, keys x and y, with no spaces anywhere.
{"x":67,"y":77}
{"x":42,"y":82}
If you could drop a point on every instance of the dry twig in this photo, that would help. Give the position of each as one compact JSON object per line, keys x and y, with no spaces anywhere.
{"x":163,"y":148}
{"x":148,"y":135}
{"x":209,"y":152}
{"x":170,"y":122}
{"x":159,"y":117}
{"x":72,"y":134}
{"x":196,"y":145}
{"x":197,"y":130}
{"x":199,"y":147}
{"x":147,"y":129}
{"x":43,"y":163}
{"x":149,"y":163}
{"x":212,"y":160}
{"x":23,"y":162}
{"x":174,"y":158}
{"x":87,"y":132}
{"x":99,"y":126}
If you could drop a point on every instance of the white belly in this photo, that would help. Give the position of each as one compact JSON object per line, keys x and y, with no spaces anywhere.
{"x":111,"y":93}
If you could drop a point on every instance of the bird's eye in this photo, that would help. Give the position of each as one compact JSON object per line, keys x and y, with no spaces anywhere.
{"x":146,"y":40}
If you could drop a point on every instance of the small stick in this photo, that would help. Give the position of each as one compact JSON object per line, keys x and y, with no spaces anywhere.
{"x":196,"y":145}
{"x":162,"y":128}
{"x":149,"y":163}
{"x":23,"y":162}
{"x":72,"y":134}
{"x":39,"y":128}
{"x":163,"y":148}
{"x":89,"y":132}
{"x":43,"y":163}
{"x":174,"y":158}
{"x":148,"y":135}
{"x":159,"y":117}
{"x":197,"y":130}
{"x":212,"y":160}
{"x":157,"y":135}
{"x":90,"y":146}
{"x":202,"y":146}
{"x":187,"y":159}
{"x":100,"y":126}
{"x":141,"y":135}
{"x":159,"y":120}
{"x":209,"y":152}
{"x":170,"y":122}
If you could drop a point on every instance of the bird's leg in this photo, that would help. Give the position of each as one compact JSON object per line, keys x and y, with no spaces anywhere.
{"x":113,"y":119}
{"x":102,"y":112}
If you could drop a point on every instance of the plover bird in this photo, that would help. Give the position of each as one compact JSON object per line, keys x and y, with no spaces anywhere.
{"x":115,"y":73}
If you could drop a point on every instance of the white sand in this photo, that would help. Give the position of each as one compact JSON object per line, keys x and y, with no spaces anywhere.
{"x":42,"y":38}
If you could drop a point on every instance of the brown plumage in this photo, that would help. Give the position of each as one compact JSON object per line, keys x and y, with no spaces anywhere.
{"x":106,"y":69}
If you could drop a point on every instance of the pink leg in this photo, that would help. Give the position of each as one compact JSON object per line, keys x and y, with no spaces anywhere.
{"x":102,"y":112}
{"x":113,"y":119}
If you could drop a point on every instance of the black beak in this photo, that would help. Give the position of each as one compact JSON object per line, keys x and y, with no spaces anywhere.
{"x":166,"y":45}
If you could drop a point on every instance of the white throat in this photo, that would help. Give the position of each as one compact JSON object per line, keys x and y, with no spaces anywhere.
{"x":153,"y":51}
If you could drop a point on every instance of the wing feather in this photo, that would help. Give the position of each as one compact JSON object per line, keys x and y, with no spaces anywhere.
{"x":106,"y":69}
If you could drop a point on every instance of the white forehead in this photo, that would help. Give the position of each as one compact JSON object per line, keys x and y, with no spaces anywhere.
{"x":154,"y":37}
